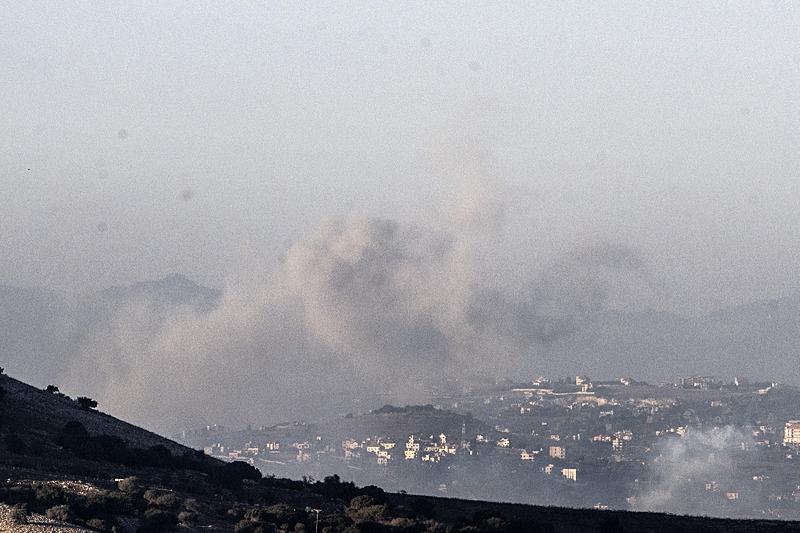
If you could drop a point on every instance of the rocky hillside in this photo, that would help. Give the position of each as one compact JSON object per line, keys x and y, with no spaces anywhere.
{"x":38,"y":417}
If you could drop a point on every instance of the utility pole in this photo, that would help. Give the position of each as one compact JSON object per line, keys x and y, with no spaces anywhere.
{"x":309,"y":510}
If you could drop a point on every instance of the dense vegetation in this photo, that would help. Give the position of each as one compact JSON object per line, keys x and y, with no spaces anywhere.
{"x":254,"y":509}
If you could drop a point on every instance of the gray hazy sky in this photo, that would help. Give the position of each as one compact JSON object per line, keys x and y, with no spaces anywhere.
{"x":139,"y":139}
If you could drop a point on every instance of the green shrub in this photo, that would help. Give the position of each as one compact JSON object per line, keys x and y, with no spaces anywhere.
{"x":261,"y":514}
{"x":162,"y":499}
{"x":432,"y":526}
{"x":246,"y":526}
{"x":87,"y":404}
{"x":98,"y":523}
{"x":99,"y":503}
{"x":376,"y":493}
{"x":20,"y":514}
{"x":62,"y":513}
{"x":262,"y":520}
{"x":235,"y":513}
{"x":187,"y":517}
{"x":404,"y":524}
{"x":366,"y":509}
{"x":48,"y":495}
{"x":283,"y":513}
{"x":496,"y":523}
{"x":158,"y":520}
{"x":129,"y":485}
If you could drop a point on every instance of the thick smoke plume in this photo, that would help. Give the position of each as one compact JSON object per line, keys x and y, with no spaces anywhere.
{"x":391,"y":295}
{"x":358,"y":302}
{"x":375,"y":289}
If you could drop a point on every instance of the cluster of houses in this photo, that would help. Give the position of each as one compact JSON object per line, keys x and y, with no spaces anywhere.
{"x":571,"y":432}
{"x":428,"y":450}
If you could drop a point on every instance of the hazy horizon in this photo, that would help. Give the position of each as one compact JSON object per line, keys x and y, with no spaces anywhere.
{"x":162,"y":137}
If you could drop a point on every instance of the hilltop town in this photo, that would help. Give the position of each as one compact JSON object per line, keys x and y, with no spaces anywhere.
{"x":699,"y":445}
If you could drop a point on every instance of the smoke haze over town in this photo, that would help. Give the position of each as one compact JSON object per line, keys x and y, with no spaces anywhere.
{"x":247,"y":213}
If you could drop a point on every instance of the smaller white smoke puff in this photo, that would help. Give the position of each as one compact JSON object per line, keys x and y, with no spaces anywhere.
{"x":683,"y":465}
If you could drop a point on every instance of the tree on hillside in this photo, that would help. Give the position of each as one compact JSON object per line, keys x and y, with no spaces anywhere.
{"x":366,"y":509}
{"x":86,"y":404}
{"x":51,"y":389}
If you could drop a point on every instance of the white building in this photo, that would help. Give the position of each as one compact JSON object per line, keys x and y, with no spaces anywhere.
{"x":570,"y":473}
{"x":558,"y":452}
{"x":791,"y":433}
{"x":525,"y":455}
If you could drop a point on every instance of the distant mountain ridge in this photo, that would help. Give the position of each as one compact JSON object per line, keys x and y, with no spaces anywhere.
{"x":173,"y":290}
{"x":760,"y":340}
{"x":42,"y":332}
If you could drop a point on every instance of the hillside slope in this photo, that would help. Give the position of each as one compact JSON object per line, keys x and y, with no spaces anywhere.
{"x":61,"y":460}
{"x":39,"y":417}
